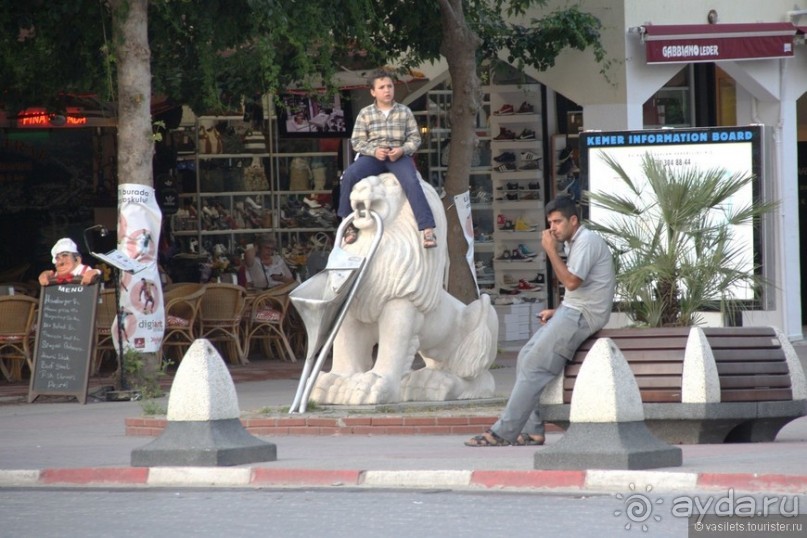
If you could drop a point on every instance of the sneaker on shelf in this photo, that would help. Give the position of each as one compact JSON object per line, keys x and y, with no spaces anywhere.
{"x":513,"y":186}
{"x":539,"y":279}
{"x":483,"y":270}
{"x":522,"y":225}
{"x":506,"y":167}
{"x":523,"y":285}
{"x":526,"y":134}
{"x":526,"y":108}
{"x":506,"y":157}
{"x":530,"y":156}
{"x":505,"y":291}
{"x":504,"y":256}
{"x":530,"y":165}
{"x":525,"y":251}
{"x":516,"y":255}
{"x":508,"y":226}
{"x":505,"y":110}
{"x":534,"y":186}
{"x":482,"y":197}
{"x":500,"y":220}
{"x":533,"y":195}
{"x":505,"y":134}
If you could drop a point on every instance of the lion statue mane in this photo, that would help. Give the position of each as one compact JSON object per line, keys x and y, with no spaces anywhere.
{"x":402,"y":307}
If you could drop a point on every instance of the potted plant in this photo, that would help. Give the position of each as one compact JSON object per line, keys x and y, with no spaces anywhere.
{"x":671,"y":234}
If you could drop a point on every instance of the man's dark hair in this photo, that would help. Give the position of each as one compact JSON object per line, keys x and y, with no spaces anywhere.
{"x":563,"y":204}
{"x":376,"y":75}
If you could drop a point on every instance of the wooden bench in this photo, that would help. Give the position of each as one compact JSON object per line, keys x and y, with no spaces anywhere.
{"x":754,"y":398}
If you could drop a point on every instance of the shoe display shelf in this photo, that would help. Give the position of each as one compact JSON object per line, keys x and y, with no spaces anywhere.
{"x":435,"y":149}
{"x":518,"y":198}
{"x":245,"y":187}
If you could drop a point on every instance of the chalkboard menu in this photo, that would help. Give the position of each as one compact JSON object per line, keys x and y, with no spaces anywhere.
{"x":64,"y":341}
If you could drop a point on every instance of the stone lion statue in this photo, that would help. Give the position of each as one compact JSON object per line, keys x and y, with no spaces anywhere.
{"x":401,"y":306}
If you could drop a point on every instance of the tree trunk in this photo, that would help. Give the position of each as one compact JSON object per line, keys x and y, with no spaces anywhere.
{"x":459,"y":46}
{"x":133,"y":56}
{"x":135,"y":138}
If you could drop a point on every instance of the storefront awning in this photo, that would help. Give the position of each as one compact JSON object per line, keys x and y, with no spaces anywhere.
{"x":688,"y":43}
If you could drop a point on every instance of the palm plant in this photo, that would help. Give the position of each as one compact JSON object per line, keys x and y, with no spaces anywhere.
{"x":672,"y":238}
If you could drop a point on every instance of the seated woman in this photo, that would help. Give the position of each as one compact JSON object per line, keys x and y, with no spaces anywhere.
{"x":267,"y":269}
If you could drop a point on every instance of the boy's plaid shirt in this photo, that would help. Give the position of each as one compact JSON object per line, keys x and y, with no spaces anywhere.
{"x":374,"y":130}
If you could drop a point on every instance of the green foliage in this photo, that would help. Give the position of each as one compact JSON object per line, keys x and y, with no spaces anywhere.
{"x":143,"y":376}
{"x":210,"y":53}
{"x":672,"y":241}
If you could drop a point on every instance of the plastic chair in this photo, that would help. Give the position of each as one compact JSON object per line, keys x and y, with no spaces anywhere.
{"x":182,"y":320}
{"x":220,"y":314}
{"x":267,"y":323}
{"x":105,"y":314}
{"x":17,"y":318}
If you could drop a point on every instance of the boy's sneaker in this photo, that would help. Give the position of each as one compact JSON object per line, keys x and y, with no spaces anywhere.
{"x":505,"y":110}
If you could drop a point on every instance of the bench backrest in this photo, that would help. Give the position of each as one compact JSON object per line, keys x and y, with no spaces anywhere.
{"x":751,"y":363}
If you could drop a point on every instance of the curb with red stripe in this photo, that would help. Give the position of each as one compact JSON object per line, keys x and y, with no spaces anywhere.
{"x":578,"y":480}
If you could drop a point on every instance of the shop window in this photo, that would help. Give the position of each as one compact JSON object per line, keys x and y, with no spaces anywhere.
{"x":671,"y":106}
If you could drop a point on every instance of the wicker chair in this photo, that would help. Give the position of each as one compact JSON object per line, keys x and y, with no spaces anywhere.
{"x":182,"y":320}
{"x":220,"y":315}
{"x":104,"y":318}
{"x":267,"y":323}
{"x":17,"y":318}
{"x":179,"y":289}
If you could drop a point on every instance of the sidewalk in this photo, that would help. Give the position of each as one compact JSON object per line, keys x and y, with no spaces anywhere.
{"x":65,"y":443}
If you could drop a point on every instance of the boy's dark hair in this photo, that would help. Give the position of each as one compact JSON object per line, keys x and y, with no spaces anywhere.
{"x":563,"y":204}
{"x":375,"y":75}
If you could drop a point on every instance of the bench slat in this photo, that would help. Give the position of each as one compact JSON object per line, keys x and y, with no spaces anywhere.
{"x":751,"y":368}
{"x":663,"y":368}
{"x":648,"y":396}
{"x":737,"y":342}
{"x":774,"y":355}
{"x":754,"y":381}
{"x":671,"y":342}
{"x":757,"y":395}
{"x":739,"y":331}
{"x":658,"y":355}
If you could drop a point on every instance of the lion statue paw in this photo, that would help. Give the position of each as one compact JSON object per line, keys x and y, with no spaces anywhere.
{"x":365,"y":388}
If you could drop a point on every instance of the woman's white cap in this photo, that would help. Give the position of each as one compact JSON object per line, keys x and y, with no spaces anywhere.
{"x":65,"y":244}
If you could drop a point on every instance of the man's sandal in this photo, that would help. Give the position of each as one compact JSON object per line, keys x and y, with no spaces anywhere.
{"x":429,"y":239}
{"x":489,"y":438}
{"x":525,"y":439}
{"x":351,"y":234}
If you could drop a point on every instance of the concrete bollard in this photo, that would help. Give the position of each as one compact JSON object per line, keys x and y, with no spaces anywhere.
{"x":204,"y":427}
{"x":607,"y":428}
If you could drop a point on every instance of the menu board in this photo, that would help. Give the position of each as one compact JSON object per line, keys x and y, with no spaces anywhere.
{"x":64,"y":341}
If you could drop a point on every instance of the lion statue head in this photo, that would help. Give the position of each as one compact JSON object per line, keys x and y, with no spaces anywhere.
{"x":401,"y":267}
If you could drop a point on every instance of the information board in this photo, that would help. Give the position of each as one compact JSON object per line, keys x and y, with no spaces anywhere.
{"x":64,"y":341}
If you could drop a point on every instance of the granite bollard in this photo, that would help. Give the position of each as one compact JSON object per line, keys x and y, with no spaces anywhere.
{"x":607,"y":428}
{"x":203,"y":425}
